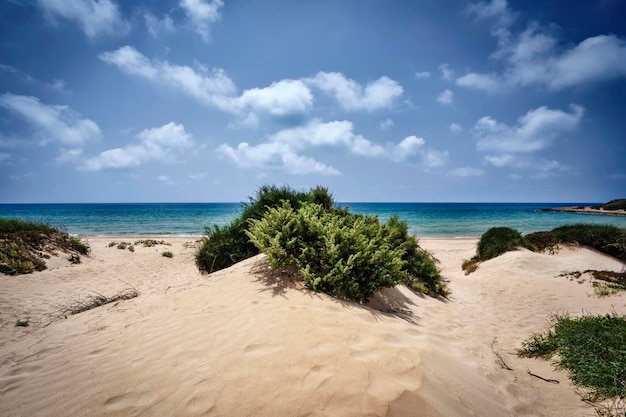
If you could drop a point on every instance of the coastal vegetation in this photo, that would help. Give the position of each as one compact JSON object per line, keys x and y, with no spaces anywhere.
{"x":336,"y":252}
{"x":617,"y":204}
{"x":24,"y":246}
{"x":591,"y":350}
{"x":224,"y":246}
{"x":608,"y":239}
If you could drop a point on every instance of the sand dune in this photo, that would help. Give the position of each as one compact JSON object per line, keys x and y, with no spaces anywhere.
{"x":249,"y":342}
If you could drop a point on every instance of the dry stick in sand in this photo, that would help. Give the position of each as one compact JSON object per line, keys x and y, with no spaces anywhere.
{"x":499,"y":361}
{"x":552,"y":381}
{"x":92,"y":302}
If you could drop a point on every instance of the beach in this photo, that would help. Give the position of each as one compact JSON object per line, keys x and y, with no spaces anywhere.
{"x":247,"y":341}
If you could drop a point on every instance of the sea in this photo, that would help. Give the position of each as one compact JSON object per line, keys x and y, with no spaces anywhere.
{"x":427,"y":220}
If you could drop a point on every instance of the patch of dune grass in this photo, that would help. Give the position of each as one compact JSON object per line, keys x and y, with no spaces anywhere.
{"x":25,"y":244}
{"x":591,"y":349}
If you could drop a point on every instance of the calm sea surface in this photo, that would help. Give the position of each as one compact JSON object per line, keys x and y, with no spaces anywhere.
{"x":190,"y":219}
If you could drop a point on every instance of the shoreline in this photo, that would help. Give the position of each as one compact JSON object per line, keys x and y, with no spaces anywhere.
{"x":585,"y":210}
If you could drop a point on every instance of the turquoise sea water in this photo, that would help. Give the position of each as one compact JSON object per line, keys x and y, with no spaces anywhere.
{"x":190,"y":219}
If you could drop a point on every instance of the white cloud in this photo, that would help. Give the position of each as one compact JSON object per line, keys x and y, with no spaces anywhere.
{"x":386,"y":124}
{"x":157,"y":26}
{"x":274,"y":155}
{"x":422,"y":74}
{"x":499,"y":160}
{"x":284,"y":149}
{"x":432,"y":158}
{"x":95,"y":17}
{"x":208,"y":86}
{"x":497,"y":10}
{"x":445,"y":98}
{"x":595,"y":59}
{"x":487,"y":82}
{"x":283,"y":98}
{"x":52,"y":122}
{"x":408,"y":147}
{"x":455,"y":128}
{"x":159,"y":144}
{"x":447,"y":73}
{"x":212,"y":87}
{"x":534,"y":131}
{"x":376,"y":95}
{"x":466,"y":172}
{"x":535,"y":56}
{"x":202,"y":13}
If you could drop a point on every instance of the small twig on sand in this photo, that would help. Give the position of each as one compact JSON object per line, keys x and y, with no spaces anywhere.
{"x":91,"y":302}
{"x":499,"y":361}
{"x":552,"y":381}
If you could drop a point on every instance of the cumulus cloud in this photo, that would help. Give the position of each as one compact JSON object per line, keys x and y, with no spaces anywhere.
{"x":208,"y":86}
{"x":351,"y":96}
{"x":445,"y":98}
{"x":447,"y":73}
{"x":282,"y":99}
{"x":285,"y":149}
{"x":52,"y":122}
{"x":422,"y":74}
{"x":95,"y":17}
{"x":534,"y":131}
{"x":214,"y":88}
{"x":160,"y":144}
{"x":274,"y":155}
{"x":202,"y":13}
{"x":486,"y":82}
{"x":535,"y":56}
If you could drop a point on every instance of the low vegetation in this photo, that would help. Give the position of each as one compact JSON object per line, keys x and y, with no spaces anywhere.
{"x":25,"y":245}
{"x":344,"y":254}
{"x":591,"y":349}
{"x":337,"y":252}
{"x":223,"y":246}
{"x":617,"y":204}
{"x":167,"y":254}
{"x":607,"y":239}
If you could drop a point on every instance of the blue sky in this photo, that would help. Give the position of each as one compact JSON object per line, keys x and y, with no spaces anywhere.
{"x":397,"y":100}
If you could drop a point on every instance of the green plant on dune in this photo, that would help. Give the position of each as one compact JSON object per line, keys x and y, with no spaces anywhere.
{"x":344,"y":254}
{"x":223,"y":246}
{"x":25,"y":244}
{"x":591,"y":349}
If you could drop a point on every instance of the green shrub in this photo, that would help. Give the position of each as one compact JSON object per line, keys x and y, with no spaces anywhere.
{"x":343,"y":254}
{"x":618,"y":204}
{"x":608,"y":239}
{"x":22,"y":243}
{"x":497,"y":241}
{"x":469,"y":265}
{"x":223,"y":246}
{"x":77,"y":244}
{"x":167,"y":254}
{"x":590,"y":348}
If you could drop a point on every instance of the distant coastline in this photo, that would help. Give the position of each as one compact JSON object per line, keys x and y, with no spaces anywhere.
{"x":612,"y":208}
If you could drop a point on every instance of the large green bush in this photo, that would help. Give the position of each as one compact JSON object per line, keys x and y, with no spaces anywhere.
{"x":223,"y":246}
{"x":343,"y":254}
{"x":497,"y":241}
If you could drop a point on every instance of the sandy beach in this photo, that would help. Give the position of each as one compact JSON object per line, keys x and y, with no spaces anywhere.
{"x":246,"y":341}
